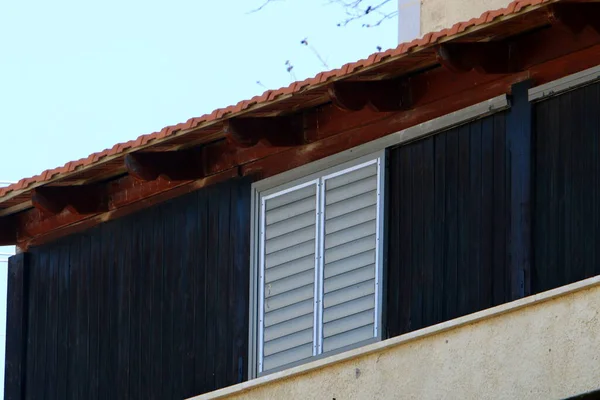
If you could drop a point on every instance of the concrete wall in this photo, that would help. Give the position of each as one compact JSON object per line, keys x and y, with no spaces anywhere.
{"x":440,"y":14}
{"x":545,"y":346}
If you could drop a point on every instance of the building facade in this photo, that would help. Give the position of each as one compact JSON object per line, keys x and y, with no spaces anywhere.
{"x":423,"y":223}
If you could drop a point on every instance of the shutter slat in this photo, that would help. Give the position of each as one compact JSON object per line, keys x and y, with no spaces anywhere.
{"x":291,"y":239}
{"x":349,"y":220}
{"x":289,"y":342}
{"x":288,"y":356}
{"x":289,"y":283}
{"x":350,"y":234}
{"x":290,"y":312}
{"x":349,"y":278}
{"x":291,"y":197}
{"x":351,"y":190}
{"x":290,"y":254}
{"x":351,"y":205}
{"x":290,"y":268}
{"x":287,"y":328}
{"x":290,"y":210}
{"x":348,"y":338}
{"x":350,"y":177}
{"x":290,"y":224}
{"x":348,"y":294}
{"x":348,"y":264}
{"x":349,"y":323}
{"x":348,"y":308}
{"x":289,"y":298}
{"x":350,"y":249}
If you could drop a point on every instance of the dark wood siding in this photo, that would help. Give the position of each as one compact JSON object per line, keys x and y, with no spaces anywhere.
{"x":154,"y":305}
{"x":448,"y":206}
{"x":567,"y":188}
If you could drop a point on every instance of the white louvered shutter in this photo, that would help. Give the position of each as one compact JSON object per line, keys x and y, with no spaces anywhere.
{"x":289,"y":243}
{"x":349,"y":266}
{"x":319,"y":265}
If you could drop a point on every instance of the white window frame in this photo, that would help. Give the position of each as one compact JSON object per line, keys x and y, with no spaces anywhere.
{"x":296,"y":179}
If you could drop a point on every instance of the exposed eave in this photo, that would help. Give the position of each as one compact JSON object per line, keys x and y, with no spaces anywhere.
{"x":313,"y":112}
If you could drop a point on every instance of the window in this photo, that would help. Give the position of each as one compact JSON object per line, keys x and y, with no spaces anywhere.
{"x":318,"y":264}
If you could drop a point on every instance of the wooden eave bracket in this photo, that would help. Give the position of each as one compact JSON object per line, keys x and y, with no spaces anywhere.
{"x":483,"y":57}
{"x":8,"y":230}
{"x":85,"y":199}
{"x":575,"y":17}
{"x":180,"y":165}
{"x":277,"y":131}
{"x":380,"y":96}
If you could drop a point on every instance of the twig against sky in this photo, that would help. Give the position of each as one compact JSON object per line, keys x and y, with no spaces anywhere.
{"x":312,"y":48}
{"x":355,"y":10}
{"x":262,"y":6}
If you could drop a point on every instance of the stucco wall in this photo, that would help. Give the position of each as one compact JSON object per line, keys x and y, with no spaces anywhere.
{"x":545,"y":346}
{"x":440,"y":14}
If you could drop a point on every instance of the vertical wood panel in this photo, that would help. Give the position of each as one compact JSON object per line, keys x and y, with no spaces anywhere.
{"x":500,"y":190}
{"x":447,"y":225}
{"x":566,"y":225}
{"x":451,"y":225}
{"x":16,"y":328}
{"x":61,"y":250}
{"x":487,"y":212}
{"x":201,"y":300}
{"x":153,"y":305}
{"x":439,"y":248}
{"x":51,"y":328}
{"x":518,"y":131}
{"x":95,"y":267}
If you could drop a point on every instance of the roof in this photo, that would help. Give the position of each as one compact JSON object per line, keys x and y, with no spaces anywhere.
{"x":405,"y":58}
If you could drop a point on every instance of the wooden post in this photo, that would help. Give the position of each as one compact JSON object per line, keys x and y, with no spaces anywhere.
{"x":16,"y":327}
{"x":519,"y":137}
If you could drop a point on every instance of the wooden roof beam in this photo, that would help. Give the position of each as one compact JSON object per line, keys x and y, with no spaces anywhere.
{"x":287,"y":130}
{"x":576,"y":17}
{"x":379,"y":96}
{"x":180,"y":165}
{"x":85,"y":199}
{"x":8,"y":230}
{"x":483,"y":57}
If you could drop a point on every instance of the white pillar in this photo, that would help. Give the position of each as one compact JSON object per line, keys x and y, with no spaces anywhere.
{"x":409,"y":20}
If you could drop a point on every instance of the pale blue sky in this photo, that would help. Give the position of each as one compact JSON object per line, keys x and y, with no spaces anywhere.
{"x":77,"y":76}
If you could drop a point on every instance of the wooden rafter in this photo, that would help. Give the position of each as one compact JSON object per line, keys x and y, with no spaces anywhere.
{"x":271,"y":131}
{"x":181,"y":165}
{"x":85,"y":199}
{"x":379,"y":96}
{"x":484,"y":57}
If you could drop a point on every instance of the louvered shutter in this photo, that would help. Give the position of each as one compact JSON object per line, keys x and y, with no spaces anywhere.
{"x":289,"y":238}
{"x":350,"y":257}
{"x":319,"y":264}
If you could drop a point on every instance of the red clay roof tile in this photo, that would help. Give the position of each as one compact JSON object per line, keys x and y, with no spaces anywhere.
{"x":270,"y":95}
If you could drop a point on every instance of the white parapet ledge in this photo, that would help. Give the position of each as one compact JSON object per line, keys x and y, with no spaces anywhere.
{"x":569,"y":82}
{"x":403,"y":339}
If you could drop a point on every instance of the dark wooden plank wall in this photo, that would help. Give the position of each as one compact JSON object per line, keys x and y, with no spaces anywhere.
{"x":448,"y":207}
{"x":567,"y":188}
{"x":154,"y":305}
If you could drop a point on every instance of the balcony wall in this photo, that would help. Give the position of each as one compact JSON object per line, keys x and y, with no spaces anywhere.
{"x":543,"y":346}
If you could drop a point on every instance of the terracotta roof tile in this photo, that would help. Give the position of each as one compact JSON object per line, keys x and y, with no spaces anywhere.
{"x":270,"y":95}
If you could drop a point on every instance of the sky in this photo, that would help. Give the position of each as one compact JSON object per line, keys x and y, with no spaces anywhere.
{"x":76,"y":77}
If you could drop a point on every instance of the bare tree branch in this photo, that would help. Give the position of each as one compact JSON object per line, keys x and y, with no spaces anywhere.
{"x":356,"y":10}
{"x":266,"y":3}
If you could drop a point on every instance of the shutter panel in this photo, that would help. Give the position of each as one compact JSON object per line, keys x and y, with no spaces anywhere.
{"x":289,"y":242}
{"x":349,"y":265}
